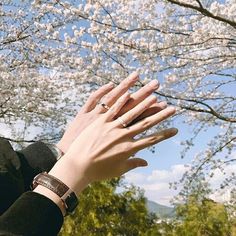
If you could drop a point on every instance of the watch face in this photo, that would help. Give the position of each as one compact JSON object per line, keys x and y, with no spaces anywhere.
{"x":71,"y":202}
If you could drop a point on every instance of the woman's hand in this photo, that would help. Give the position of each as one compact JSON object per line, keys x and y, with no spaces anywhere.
{"x":103,"y":149}
{"x":108,"y":94}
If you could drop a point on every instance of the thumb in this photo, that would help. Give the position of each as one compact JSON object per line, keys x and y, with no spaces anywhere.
{"x":134,"y":163}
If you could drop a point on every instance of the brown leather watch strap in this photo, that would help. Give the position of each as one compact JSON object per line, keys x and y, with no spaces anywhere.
{"x":67,"y":196}
{"x":51,"y":182}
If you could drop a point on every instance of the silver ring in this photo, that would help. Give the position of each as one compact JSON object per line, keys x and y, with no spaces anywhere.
{"x":105,"y":106}
{"x":122,"y":122}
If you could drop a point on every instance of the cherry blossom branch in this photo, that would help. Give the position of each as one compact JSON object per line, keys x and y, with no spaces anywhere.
{"x":210,"y":111}
{"x":219,"y":149}
{"x":204,"y":11}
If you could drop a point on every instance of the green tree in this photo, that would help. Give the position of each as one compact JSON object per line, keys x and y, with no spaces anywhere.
{"x":161,"y":228}
{"x":202,"y":218}
{"x":105,"y":211}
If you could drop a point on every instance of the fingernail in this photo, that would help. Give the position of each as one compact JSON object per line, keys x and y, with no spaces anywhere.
{"x":134,"y":76}
{"x":154,"y":83}
{"x":143,"y":163}
{"x":163,"y":104}
{"x":153,"y":98}
{"x":172,"y":109}
{"x":110,"y":84}
{"x":174,"y":131}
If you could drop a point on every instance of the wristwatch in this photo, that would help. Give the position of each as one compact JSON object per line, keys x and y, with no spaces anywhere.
{"x":55,"y":150}
{"x":68,"y":197}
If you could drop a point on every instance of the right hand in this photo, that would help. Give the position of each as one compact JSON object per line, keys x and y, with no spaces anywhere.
{"x":104,"y":148}
{"x":108,"y":95}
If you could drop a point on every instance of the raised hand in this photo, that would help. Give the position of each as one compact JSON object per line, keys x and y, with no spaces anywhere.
{"x":107,"y":94}
{"x":104,"y":148}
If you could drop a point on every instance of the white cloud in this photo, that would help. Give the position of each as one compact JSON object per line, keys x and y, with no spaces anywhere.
{"x":156,"y":184}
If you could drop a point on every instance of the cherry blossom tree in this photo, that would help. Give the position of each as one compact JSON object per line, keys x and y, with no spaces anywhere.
{"x":54,"y":52}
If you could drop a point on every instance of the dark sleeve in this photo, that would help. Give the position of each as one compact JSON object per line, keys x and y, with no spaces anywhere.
{"x":32,"y":214}
{"x":17,"y":169}
{"x":35,"y":159}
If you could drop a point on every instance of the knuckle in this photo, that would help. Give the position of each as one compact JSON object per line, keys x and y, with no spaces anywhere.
{"x":93,"y":95}
{"x":107,"y":98}
{"x":152,"y":139}
{"x":146,"y":106}
{"x":125,"y":97}
{"x":125,"y":84}
{"x":120,"y":102}
{"x":113,"y":109}
{"x":145,"y":123}
{"x":151,"y":100}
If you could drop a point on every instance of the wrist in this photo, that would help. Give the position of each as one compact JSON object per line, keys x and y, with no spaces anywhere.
{"x":57,"y":152}
{"x":61,"y":146}
{"x":66,"y":171}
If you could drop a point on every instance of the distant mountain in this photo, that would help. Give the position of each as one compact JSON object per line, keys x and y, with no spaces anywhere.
{"x":160,"y":210}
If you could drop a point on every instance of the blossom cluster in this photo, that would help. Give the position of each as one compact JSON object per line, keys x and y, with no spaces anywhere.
{"x":48,"y":48}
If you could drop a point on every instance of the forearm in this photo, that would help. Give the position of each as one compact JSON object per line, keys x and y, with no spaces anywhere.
{"x":66,"y":172}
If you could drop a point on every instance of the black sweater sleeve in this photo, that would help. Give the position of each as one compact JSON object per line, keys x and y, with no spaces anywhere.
{"x":17,"y":169}
{"x":34,"y":159}
{"x":32,"y":214}
{"x":26,"y":213}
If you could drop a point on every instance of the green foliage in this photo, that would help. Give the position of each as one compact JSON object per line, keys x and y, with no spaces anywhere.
{"x":104,"y":211}
{"x":161,"y":229}
{"x":203,"y":218}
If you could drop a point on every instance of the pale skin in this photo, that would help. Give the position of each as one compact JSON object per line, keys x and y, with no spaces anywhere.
{"x":108,"y":94}
{"x":101,"y":148}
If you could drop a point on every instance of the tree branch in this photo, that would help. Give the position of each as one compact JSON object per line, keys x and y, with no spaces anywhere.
{"x":210,"y":156}
{"x":210,"y":111}
{"x":204,"y":11}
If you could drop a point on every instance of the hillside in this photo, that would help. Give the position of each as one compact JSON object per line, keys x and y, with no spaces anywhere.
{"x":160,"y":210}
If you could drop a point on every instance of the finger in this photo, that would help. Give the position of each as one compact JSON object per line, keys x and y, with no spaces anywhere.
{"x":117,"y":92}
{"x":139,"y":96}
{"x":133,"y":163}
{"x":150,"y":121}
{"x":113,"y":111}
{"x":95,"y":97}
{"x":154,"y":138}
{"x":153,"y":109}
{"x":138,"y":110}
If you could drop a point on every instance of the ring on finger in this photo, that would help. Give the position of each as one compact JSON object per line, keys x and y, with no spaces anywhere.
{"x":122,"y":122}
{"x":104,"y":105}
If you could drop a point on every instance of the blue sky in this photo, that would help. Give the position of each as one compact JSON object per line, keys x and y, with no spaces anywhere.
{"x":165,"y":164}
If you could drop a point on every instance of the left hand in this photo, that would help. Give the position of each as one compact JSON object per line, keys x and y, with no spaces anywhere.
{"x":90,"y":111}
{"x":103,"y":150}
